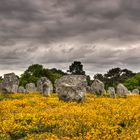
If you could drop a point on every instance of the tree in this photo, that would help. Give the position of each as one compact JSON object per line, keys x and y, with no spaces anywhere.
{"x":126,"y":74}
{"x":114,"y":76}
{"x":133,"y":82}
{"x":53,"y":74}
{"x":99,"y":76}
{"x":32,"y":74}
{"x":76,"y":68}
{"x":36,"y":71}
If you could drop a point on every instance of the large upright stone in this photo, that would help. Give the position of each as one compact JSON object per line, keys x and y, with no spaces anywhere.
{"x":135,"y":91}
{"x":111,"y":91}
{"x":30,"y":88}
{"x":44,"y":86}
{"x":71,"y":87}
{"x":10,"y":83}
{"x":97,"y":87}
{"x":122,"y":90}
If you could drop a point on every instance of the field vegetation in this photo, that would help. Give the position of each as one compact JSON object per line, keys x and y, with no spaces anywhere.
{"x":36,"y":117}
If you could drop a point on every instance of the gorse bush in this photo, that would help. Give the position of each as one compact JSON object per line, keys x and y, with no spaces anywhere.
{"x":36,"y":117}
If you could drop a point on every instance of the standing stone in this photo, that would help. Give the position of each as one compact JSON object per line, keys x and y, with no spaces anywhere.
{"x":10,"y":83}
{"x":44,"y":86}
{"x":122,"y":90}
{"x":111,"y":91}
{"x":21,"y":90}
{"x":30,"y":87}
{"x":0,"y":87}
{"x":71,"y":87}
{"x":14,"y":89}
{"x":97,"y":87}
{"x":88,"y":88}
{"x":135,"y":91}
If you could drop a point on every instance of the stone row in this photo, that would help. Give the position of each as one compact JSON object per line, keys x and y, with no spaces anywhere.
{"x":68,"y":87}
{"x":10,"y":84}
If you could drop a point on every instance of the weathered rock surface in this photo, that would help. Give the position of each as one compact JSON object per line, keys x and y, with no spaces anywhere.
{"x":122,"y":90}
{"x":88,"y":88}
{"x":10,"y":83}
{"x":21,"y":90}
{"x":30,"y":87}
{"x":14,"y":89}
{"x":97,"y":87}
{"x":0,"y":87}
{"x":44,"y":86}
{"x":111,"y":91}
{"x":71,"y":87}
{"x":135,"y":91}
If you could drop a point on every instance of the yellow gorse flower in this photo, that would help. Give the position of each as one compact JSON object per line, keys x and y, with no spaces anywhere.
{"x":36,"y":117}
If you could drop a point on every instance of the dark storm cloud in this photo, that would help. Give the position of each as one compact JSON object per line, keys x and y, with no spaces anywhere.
{"x":100,"y":33}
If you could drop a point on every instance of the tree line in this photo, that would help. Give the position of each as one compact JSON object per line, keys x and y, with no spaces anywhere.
{"x":111,"y":78}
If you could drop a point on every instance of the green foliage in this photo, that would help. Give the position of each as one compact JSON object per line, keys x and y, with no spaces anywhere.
{"x":99,"y":76}
{"x":111,"y":78}
{"x":76,"y":68}
{"x":114,"y":76}
{"x":32,"y":74}
{"x":36,"y":71}
{"x":53,"y":74}
{"x":1,"y":79}
{"x":133,"y":82}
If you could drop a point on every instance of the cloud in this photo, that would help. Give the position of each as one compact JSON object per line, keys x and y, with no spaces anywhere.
{"x":101,"y":34}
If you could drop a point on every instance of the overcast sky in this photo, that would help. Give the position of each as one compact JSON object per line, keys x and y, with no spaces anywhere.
{"x":100,"y":33}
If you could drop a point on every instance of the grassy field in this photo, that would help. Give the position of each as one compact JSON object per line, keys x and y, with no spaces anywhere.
{"x":36,"y":117}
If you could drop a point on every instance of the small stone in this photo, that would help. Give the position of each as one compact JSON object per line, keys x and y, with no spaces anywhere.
{"x":30,"y":87}
{"x":122,"y":90}
{"x":44,"y":86}
{"x":135,"y":91}
{"x":97,"y":87}
{"x":0,"y":87}
{"x":111,"y":91}
{"x":21,"y":90}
